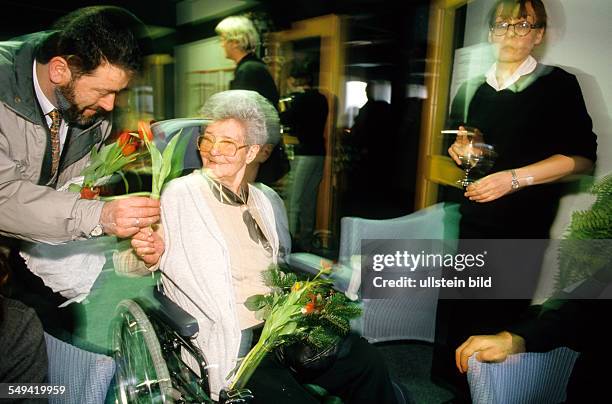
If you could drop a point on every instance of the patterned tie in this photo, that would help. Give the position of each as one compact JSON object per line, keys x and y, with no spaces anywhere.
{"x":56,"y":120}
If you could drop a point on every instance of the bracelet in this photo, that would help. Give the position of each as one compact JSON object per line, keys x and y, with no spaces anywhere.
{"x":515,"y":182}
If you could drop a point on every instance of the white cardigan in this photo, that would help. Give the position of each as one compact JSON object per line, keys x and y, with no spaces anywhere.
{"x":196,"y":257}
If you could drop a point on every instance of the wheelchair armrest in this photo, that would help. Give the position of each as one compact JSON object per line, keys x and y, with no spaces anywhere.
{"x":171,"y":313}
{"x":184,"y":323}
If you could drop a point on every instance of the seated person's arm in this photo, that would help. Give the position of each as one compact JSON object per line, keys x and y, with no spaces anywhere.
{"x":490,"y":348}
{"x":147,"y":249}
{"x":574,"y":323}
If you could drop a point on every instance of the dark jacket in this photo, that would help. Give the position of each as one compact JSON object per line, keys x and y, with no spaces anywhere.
{"x":252,"y":74}
{"x":22,"y":344}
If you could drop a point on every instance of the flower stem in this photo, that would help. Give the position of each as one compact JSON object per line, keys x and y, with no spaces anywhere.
{"x":249,"y":364}
{"x":114,"y":197}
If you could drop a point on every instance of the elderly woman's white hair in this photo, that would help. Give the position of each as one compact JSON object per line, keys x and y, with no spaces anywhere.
{"x":252,"y":110}
{"x":241,"y":30}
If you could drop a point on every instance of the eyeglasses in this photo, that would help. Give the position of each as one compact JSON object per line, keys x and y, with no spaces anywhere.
{"x":520,"y":28}
{"x":224,"y":147}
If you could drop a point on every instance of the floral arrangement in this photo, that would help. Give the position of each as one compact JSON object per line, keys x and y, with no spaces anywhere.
{"x":310,"y":311}
{"x":112,"y":158}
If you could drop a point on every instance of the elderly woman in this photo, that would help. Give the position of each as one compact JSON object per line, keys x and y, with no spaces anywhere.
{"x":219,"y":234}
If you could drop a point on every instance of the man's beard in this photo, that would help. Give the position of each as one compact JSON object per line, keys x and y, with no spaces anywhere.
{"x":71,"y":113}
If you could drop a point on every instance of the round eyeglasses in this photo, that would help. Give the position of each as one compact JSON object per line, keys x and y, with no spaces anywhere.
{"x":224,"y":147}
{"x":520,"y":28}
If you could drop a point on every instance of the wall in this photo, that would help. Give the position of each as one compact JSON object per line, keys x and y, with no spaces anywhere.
{"x":191,"y":89}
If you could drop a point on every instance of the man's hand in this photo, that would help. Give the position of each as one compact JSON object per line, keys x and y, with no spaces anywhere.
{"x":490,"y":188}
{"x":125,"y":217}
{"x":490,"y":348}
{"x":148,"y":245}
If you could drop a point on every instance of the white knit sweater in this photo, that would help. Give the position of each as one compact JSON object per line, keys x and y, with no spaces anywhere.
{"x":197,"y":259}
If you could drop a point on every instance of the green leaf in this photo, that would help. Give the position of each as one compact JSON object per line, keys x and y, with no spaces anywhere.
{"x":156,"y":162}
{"x":74,"y":188}
{"x":167,"y":158}
{"x":178,"y":157}
{"x":255,"y":302}
{"x":288,"y":329}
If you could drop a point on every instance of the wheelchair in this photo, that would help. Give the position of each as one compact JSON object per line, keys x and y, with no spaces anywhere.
{"x":151,"y":341}
{"x":150,"y":337}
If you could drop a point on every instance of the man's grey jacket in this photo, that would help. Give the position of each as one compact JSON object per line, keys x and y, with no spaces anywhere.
{"x":29,"y":208}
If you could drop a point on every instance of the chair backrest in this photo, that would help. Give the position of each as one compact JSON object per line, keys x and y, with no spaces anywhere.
{"x":437,"y":222}
{"x":410,"y":316}
{"x":85,"y":374}
{"x":533,"y":377}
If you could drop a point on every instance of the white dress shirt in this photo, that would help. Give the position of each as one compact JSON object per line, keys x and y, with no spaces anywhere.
{"x":47,"y":107}
{"x":527,"y":67}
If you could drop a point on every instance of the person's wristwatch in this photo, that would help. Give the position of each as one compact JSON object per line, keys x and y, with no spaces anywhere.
{"x":515,"y":182}
{"x":97,"y":231}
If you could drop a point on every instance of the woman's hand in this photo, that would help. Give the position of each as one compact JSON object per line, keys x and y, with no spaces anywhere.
{"x":489,"y":348}
{"x":148,"y":245}
{"x":491,"y":187}
{"x":457,"y":148}
{"x":462,"y":142}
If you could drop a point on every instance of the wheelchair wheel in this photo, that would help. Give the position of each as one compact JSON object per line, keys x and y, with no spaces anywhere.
{"x":142,"y":375}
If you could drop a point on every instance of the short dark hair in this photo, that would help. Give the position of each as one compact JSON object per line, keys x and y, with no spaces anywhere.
{"x":91,"y":36}
{"x":509,"y":5}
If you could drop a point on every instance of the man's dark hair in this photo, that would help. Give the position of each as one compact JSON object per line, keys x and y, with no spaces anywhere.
{"x":91,"y":36}
{"x":508,"y":6}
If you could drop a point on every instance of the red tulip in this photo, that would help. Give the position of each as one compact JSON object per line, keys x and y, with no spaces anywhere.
{"x":124,"y":138}
{"x":128,"y":149}
{"x":309,"y":308}
{"x":326,"y":267}
{"x":89,"y":192}
{"x":144,"y":129}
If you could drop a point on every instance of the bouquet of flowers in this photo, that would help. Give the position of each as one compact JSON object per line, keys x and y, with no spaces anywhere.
{"x":306,"y":311}
{"x":110,"y":159}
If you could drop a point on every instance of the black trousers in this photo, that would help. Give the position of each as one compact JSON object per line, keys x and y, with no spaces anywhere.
{"x":359,"y":377}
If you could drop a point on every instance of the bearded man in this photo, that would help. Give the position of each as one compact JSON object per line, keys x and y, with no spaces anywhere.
{"x":58,"y":90}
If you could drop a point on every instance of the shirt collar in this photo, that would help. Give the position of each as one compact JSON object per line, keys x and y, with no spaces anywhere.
{"x":43,"y":101}
{"x":527,"y":67}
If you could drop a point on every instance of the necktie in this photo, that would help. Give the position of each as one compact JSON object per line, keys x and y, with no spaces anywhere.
{"x":56,"y":120}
